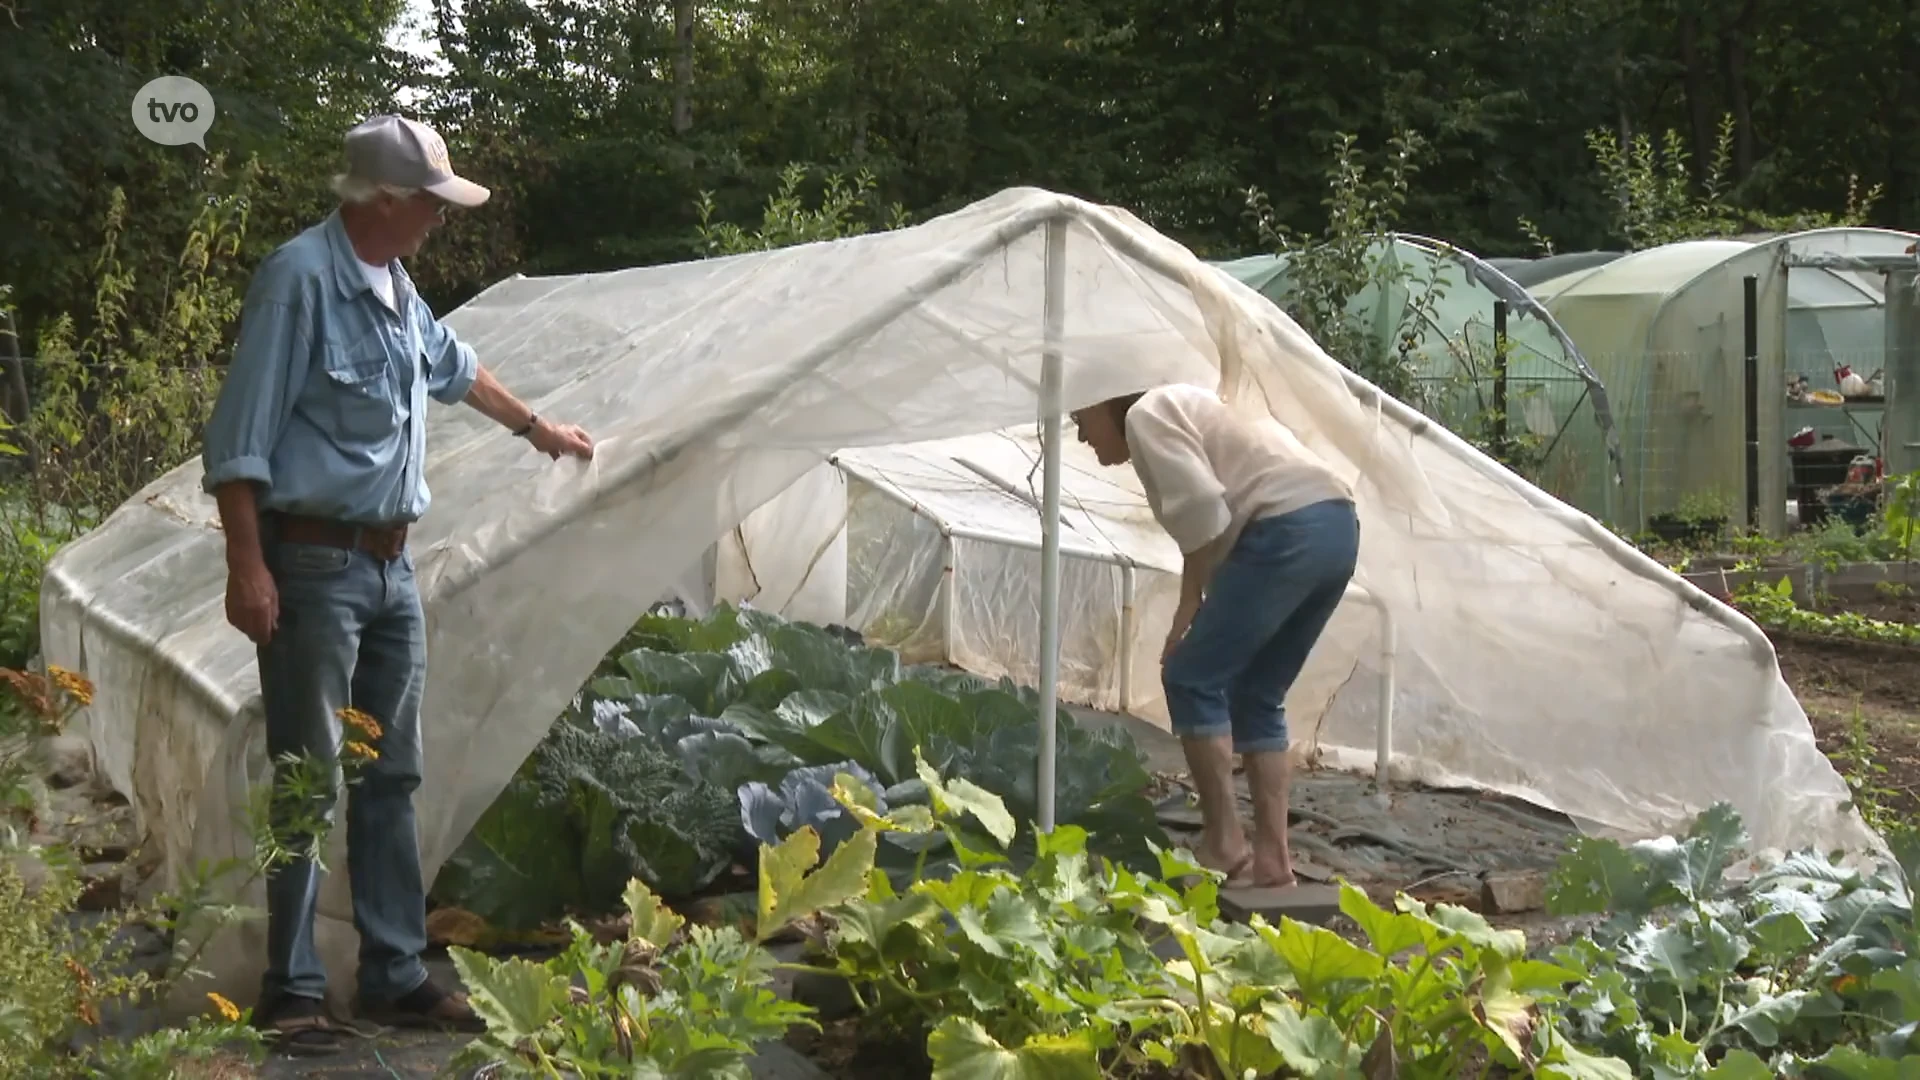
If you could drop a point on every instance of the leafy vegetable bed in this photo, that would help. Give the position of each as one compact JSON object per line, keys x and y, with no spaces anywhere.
{"x":698,"y":739}
{"x":1773,"y":607}
{"x":1077,"y":968}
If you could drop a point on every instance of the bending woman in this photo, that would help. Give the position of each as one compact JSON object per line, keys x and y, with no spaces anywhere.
{"x":1270,"y":541}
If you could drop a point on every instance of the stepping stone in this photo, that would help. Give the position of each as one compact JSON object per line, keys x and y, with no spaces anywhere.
{"x":1315,"y":905}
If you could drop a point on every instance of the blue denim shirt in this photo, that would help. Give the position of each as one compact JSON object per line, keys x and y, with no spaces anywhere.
{"x":325,"y":401}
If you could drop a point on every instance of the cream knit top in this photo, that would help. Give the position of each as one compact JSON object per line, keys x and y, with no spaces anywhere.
{"x":1207,"y":472}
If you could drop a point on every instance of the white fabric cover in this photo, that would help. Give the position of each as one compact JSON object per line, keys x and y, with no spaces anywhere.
{"x":1538,"y":654}
{"x":944,"y":565}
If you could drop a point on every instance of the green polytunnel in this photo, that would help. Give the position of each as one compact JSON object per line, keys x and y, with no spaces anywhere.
{"x":1443,"y":300}
{"x":1665,"y":330}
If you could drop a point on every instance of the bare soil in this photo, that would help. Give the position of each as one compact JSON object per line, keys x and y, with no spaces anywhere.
{"x":1863,"y":700}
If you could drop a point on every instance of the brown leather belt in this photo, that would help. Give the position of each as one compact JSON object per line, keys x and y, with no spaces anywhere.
{"x":385,"y":541}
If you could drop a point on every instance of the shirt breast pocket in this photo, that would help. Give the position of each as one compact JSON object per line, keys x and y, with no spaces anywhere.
{"x":364,"y":402}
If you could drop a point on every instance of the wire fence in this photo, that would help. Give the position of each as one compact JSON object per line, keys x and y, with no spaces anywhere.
{"x":1683,"y":429}
{"x":1545,"y":427}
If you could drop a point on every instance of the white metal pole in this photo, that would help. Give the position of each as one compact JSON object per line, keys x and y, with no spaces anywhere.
{"x":951,"y":581}
{"x":1383,"y":750}
{"x":1129,"y":626}
{"x":1050,"y":408}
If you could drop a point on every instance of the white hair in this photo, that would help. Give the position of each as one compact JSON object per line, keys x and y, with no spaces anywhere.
{"x":354,"y":190}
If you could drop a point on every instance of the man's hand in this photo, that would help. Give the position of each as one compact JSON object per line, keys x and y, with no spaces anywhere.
{"x":554,"y":440}
{"x":253,"y":602}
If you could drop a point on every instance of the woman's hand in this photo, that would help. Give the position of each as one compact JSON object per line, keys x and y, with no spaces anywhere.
{"x":1182,"y":619}
{"x":1195,"y":568}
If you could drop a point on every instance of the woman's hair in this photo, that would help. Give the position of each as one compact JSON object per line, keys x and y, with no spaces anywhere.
{"x":1117,"y":408}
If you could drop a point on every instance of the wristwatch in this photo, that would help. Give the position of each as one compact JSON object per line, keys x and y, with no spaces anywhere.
{"x":533,"y":420}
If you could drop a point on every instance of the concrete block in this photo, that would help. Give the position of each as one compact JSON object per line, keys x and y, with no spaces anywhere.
{"x":1509,"y":892}
{"x":1307,"y":903}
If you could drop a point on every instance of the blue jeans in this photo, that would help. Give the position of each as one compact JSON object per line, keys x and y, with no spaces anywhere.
{"x":352,"y":632}
{"x":1265,"y":607}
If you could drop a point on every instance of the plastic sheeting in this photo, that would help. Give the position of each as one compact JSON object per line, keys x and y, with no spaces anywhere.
{"x":1538,"y":654}
{"x":1663,"y":328}
{"x":1442,"y":298}
{"x":944,"y":540}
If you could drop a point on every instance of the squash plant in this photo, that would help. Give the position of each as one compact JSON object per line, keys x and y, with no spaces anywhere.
{"x":1081,"y":967}
{"x":663,"y":1002}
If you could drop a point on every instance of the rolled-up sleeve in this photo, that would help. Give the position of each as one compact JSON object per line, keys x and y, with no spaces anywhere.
{"x":452,"y":365}
{"x":1190,"y":502}
{"x":271,"y":358}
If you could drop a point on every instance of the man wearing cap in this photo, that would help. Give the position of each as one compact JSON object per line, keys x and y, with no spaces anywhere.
{"x":316,"y":452}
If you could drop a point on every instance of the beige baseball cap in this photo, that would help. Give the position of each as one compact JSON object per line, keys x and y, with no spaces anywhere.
{"x":406,"y":153}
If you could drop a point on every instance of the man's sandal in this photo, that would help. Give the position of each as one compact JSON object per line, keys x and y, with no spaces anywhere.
{"x":300,"y":1026}
{"x":426,"y":1007}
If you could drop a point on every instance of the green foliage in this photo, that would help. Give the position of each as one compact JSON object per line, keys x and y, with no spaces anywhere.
{"x":1866,"y":775}
{"x":698,"y":737}
{"x":1327,"y":271}
{"x":123,"y":399}
{"x":1372,"y":310}
{"x":844,"y":211}
{"x":1075,"y":966}
{"x":803,"y":696}
{"x":1773,"y":606}
{"x":1900,"y":515}
{"x":63,"y":974}
{"x":1697,"y":526}
{"x":1834,"y":543}
{"x":588,"y":812}
{"x":119,"y":395}
{"x":1658,"y":200}
{"x":658,"y":1003}
{"x":1804,"y":969}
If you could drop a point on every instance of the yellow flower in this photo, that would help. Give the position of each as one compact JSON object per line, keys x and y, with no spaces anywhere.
{"x":76,"y":685}
{"x":363,"y":750}
{"x":227,"y":1008}
{"x":354,"y":718}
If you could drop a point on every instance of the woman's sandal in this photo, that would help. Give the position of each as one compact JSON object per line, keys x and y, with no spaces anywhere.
{"x":427,"y":1007}
{"x":1236,"y":875}
{"x":300,"y":1026}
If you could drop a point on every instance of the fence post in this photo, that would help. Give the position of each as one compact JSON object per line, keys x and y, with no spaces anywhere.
{"x":1751,"y":322}
{"x":1501,"y":450}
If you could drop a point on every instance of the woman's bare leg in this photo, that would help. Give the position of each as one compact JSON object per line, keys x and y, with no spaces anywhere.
{"x":1269,"y":774}
{"x":1223,"y":844}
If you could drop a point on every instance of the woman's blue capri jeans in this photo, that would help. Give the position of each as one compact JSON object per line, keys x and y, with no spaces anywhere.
{"x":1265,"y":607}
